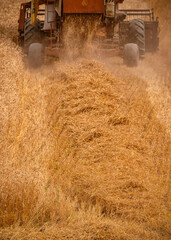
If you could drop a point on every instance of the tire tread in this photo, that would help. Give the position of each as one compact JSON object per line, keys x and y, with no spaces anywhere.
{"x":137,"y":34}
{"x":32,"y":33}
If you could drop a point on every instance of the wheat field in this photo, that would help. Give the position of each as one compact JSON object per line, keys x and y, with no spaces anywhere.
{"x":85,"y":144}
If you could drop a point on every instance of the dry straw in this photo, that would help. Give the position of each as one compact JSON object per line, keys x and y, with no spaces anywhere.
{"x":83,"y":154}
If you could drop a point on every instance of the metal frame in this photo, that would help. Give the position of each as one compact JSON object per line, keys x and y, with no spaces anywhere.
{"x":140,"y":12}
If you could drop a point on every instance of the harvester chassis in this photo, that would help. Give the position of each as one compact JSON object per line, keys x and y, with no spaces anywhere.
{"x":134,"y":38}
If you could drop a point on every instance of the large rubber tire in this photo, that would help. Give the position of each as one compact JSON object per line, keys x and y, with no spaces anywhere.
{"x":35,"y":55}
{"x":137,"y":35}
{"x":131,"y":55}
{"x":32,"y":33}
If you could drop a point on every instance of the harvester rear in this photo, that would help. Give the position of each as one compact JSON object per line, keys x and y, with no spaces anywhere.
{"x":41,"y":29}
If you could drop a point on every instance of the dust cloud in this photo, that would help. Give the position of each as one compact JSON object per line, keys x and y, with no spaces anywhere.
{"x":78,"y":43}
{"x":163,"y":11}
{"x":85,"y":145}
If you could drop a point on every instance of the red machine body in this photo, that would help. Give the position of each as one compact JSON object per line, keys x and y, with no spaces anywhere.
{"x":83,"y":6}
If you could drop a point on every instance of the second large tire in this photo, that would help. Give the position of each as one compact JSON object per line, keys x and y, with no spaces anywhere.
{"x":32,"y":33}
{"x":137,"y":35}
{"x":131,"y":55}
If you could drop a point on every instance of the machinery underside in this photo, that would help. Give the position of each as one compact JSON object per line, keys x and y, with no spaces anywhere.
{"x":50,"y":23}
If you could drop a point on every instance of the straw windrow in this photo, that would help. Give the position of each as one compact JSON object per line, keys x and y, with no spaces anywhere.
{"x":84,"y":154}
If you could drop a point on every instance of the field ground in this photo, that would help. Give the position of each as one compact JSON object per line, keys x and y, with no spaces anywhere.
{"x":85,"y":145}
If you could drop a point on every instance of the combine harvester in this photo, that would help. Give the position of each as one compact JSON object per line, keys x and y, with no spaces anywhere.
{"x":128,"y":33}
